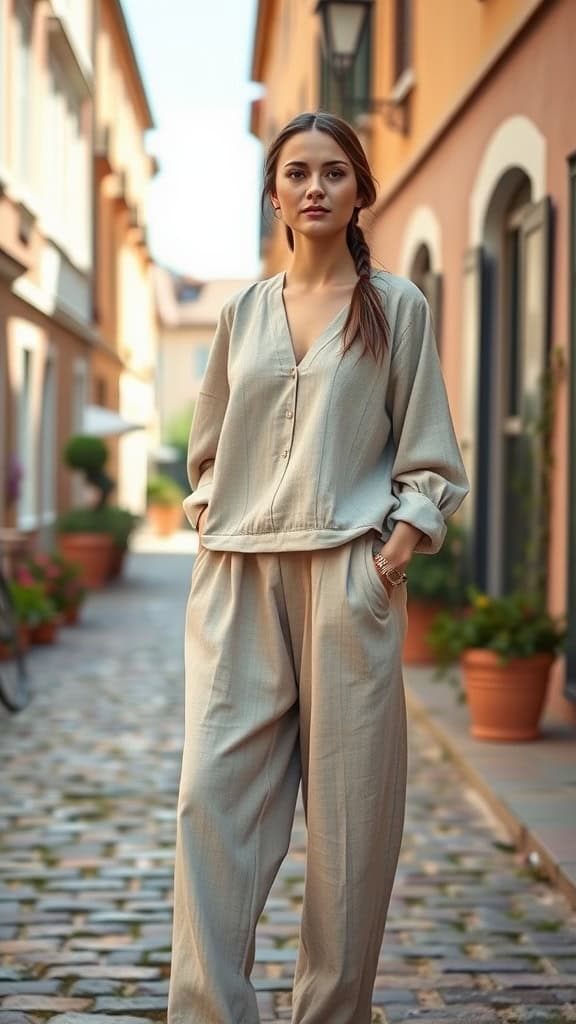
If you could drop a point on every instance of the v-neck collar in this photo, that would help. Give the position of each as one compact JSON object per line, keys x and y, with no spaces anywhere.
{"x":326,"y":335}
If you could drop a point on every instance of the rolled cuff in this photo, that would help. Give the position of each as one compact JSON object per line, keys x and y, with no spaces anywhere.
{"x":195,"y":502}
{"x":418,"y":510}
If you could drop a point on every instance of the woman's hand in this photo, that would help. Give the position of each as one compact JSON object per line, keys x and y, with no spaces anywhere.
{"x":399,"y":549}
{"x":200,"y":523}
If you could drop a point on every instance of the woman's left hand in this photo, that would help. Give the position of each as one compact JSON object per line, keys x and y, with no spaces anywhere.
{"x":399,"y":549}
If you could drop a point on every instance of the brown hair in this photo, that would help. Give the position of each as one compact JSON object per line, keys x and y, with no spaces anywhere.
{"x":366,"y":318}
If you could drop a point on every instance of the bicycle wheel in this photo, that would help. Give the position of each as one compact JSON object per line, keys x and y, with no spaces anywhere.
{"x":14,"y":687}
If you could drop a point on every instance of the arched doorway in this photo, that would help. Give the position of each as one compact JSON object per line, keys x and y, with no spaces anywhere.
{"x":429,"y":283}
{"x":511,"y":511}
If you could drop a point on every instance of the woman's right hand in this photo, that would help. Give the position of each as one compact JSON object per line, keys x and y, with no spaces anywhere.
{"x":200,"y":522}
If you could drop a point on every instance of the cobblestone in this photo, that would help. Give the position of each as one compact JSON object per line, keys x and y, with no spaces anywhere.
{"x":88,"y":783}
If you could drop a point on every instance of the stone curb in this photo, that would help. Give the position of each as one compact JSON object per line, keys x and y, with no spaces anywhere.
{"x":525,"y":840}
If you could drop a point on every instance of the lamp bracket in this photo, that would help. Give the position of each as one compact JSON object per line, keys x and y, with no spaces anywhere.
{"x":395,"y":114}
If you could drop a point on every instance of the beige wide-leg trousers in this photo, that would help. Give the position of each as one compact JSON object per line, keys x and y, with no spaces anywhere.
{"x":293,"y":672}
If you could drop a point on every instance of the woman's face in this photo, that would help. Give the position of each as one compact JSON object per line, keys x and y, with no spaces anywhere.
{"x":313,"y":171}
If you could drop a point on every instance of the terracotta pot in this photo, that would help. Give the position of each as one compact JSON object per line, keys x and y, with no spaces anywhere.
{"x":165,"y":519}
{"x":6,"y":651}
{"x":116,"y":562}
{"x":44,"y":632}
{"x":420,"y":615}
{"x":505,"y":701}
{"x":93,"y":552}
{"x":70,"y":615}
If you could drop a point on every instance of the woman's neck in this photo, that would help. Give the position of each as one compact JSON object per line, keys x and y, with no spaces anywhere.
{"x":318,"y":266}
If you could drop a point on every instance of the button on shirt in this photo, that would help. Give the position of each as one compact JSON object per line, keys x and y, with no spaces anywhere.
{"x":291,"y":457}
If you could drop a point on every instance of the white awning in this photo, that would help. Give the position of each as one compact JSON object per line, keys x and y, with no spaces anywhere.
{"x":102,"y":422}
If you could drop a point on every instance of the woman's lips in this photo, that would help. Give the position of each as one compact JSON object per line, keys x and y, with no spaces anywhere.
{"x":315,"y":213}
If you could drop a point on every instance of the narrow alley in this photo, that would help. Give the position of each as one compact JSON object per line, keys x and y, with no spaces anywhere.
{"x":88,"y":785}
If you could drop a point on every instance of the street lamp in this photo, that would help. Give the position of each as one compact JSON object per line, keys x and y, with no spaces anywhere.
{"x":343,"y":24}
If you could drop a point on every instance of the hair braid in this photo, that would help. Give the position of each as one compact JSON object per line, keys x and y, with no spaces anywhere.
{"x":366,"y":318}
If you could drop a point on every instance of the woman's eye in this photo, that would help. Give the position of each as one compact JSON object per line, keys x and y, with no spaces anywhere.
{"x":292,"y":174}
{"x":339,"y":174}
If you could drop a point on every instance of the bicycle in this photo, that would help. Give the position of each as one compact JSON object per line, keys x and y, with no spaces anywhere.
{"x":14,"y":682}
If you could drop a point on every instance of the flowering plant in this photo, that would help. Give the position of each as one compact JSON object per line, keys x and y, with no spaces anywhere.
{"x":515,"y":625}
{"x":58,"y":577}
{"x":31,"y":604}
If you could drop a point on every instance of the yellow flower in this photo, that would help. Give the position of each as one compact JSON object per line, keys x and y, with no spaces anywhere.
{"x":482,"y":601}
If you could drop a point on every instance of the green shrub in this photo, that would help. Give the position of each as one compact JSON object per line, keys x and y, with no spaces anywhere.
{"x":515,"y":625}
{"x":178,"y":429}
{"x":121,"y":523}
{"x":441,"y":577}
{"x":83,"y":520}
{"x":31,"y":604}
{"x":85,"y":452}
{"x":163,"y":490}
{"x":111,"y":519}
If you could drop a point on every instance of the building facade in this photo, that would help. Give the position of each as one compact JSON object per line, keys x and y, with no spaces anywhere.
{"x":464,"y":109}
{"x":77,"y":317}
{"x":46,"y":258}
{"x":188,"y":311}
{"x":123,"y":367}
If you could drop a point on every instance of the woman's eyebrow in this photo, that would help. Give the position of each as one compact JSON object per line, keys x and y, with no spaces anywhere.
{"x":327,"y":163}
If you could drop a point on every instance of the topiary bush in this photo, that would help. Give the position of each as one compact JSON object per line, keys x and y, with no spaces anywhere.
{"x":89,"y":455}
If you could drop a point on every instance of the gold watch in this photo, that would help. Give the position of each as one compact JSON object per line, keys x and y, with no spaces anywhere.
{"x":385,"y":568}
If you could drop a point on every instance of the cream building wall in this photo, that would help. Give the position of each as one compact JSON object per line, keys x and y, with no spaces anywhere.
{"x":124,"y":369}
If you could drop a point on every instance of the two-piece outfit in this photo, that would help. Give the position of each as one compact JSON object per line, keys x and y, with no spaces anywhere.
{"x":293,"y":645}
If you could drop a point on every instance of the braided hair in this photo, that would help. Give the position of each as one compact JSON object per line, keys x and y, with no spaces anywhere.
{"x":366,"y":320}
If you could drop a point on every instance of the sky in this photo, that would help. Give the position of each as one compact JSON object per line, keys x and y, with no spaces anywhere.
{"x":203,"y":206}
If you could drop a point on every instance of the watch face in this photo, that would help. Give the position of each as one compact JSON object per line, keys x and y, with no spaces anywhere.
{"x":394,"y":575}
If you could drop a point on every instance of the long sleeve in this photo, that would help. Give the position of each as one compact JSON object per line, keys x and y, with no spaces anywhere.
{"x":428,"y":477}
{"x":208,"y":418}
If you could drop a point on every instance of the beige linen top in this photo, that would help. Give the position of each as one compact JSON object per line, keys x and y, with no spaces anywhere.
{"x":290,"y":457}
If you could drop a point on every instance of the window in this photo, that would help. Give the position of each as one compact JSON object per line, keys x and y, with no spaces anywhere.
{"x":101,"y":391}
{"x":22,"y":81}
{"x":402,"y":37}
{"x":26,"y":441}
{"x":65,"y":169}
{"x":347,"y":97}
{"x":48,"y":442}
{"x":78,"y":404}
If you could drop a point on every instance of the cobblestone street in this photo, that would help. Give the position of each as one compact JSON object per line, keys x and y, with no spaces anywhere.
{"x":88,"y":787}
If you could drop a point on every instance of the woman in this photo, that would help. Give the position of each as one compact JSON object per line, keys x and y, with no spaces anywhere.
{"x":322,"y":455}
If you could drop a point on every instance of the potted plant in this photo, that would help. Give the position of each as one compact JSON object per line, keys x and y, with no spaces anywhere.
{"x":121,"y":524}
{"x":435,"y":582}
{"x":165,"y":498}
{"x":85,"y":538}
{"x":61,"y":580}
{"x":33,"y":608}
{"x":95,"y":536}
{"x":506,"y":647}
